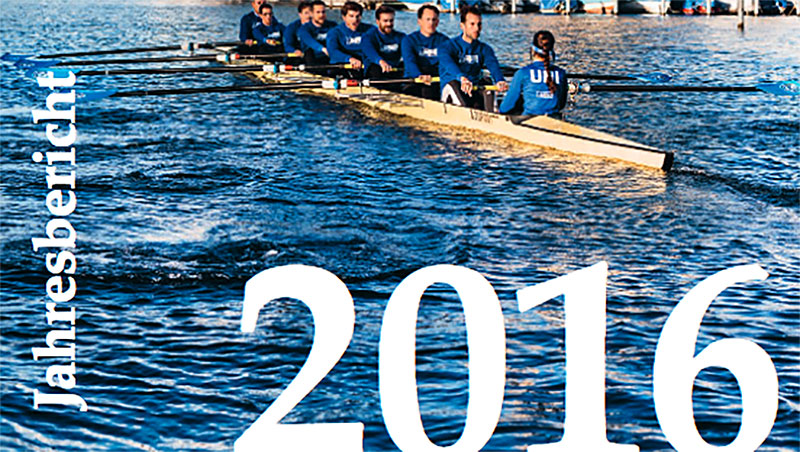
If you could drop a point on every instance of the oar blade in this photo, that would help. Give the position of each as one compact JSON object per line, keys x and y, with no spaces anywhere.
{"x":34,"y":64}
{"x":89,"y":96}
{"x":787,"y":88}
{"x":13,"y":58}
{"x":43,"y":71}
{"x":653,"y":77}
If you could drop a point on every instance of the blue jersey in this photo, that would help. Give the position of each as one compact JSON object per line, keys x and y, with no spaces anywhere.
{"x":378,"y":46}
{"x":246,"y":25}
{"x":344,"y":43}
{"x":270,"y":38}
{"x":291,"y":41}
{"x":530,"y":86}
{"x":458,"y":58}
{"x":421,"y":53}
{"x":314,"y":37}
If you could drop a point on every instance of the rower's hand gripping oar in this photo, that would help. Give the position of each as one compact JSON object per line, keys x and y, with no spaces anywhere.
{"x":187,"y":46}
{"x":85,"y":96}
{"x":784,"y":88}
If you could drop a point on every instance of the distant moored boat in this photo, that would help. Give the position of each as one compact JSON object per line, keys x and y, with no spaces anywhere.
{"x":557,"y":6}
{"x":643,"y":6}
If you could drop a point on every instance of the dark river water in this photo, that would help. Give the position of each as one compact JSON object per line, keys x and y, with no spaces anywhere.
{"x":182,"y":199}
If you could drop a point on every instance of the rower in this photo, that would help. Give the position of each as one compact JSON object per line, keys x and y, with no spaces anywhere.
{"x":461,"y":60}
{"x":249,"y":21}
{"x":420,"y":53}
{"x":268,"y":33}
{"x":344,"y":41}
{"x":539,"y":88}
{"x":382,"y":45}
{"x":313,"y":35}
{"x":291,"y":43}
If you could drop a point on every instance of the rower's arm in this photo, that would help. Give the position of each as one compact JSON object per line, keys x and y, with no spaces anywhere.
{"x":258,"y":36}
{"x":448,"y":61}
{"x":369,"y":46}
{"x":513,"y":95}
{"x":309,"y":41}
{"x":492,"y":64}
{"x":244,"y":28}
{"x":289,"y":37}
{"x":563,"y":89}
{"x":334,"y":46}
{"x":409,"y":58}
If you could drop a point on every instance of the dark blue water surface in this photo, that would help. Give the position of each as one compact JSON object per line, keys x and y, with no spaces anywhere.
{"x":182,"y":199}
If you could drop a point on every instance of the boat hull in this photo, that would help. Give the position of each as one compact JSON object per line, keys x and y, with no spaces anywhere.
{"x":644,"y":7}
{"x":540,"y":131}
{"x":597,"y":7}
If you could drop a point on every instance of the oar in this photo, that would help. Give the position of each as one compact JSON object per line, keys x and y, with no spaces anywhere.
{"x":224,"y":58}
{"x":655,"y":77}
{"x":326,"y":84}
{"x":784,"y":88}
{"x":201,"y":69}
{"x":188,"y":46}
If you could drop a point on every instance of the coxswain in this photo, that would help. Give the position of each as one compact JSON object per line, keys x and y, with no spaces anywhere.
{"x":249,"y":21}
{"x":268,"y":33}
{"x":291,"y":43}
{"x":461,"y":60}
{"x":539,"y":88}
{"x":344,"y":40}
{"x":313,"y":35}
{"x":420,"y":53}
{"x":382,"y":45}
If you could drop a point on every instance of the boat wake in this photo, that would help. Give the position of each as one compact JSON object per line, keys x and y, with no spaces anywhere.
{"x":778,"y":195}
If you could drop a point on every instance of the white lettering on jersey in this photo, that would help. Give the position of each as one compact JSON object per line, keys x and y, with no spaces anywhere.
{"x":353,"y":41}
{"x":538,"y":76}
{"x":426,"y":52}
{"x":470,"y":59}
{"x":322,"y":36}
{"x":390,"y":48}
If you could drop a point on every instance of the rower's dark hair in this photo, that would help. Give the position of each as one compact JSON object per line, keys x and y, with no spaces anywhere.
{"x":317,"y":3}
{"x":383,"y":9}
{"x":545,"y":40}
{"x":303,"y":6}
{"x":351,"y":6}
{"x":264,"y":6}
{"x":421,"y":11}
{"x":471,"y":9}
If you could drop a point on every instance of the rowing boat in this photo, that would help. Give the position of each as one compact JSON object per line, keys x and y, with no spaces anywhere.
{"x":541,"y":131}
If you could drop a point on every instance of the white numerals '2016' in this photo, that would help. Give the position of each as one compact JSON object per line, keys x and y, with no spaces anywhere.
{"x":585,"y":322}
{"x":676,"y":367}
{"x":584,"y":294}
{"x":334,"y":319}
{"x":486,"y":341}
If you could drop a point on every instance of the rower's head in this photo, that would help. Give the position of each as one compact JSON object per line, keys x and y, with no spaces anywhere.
{"x":471,"y":23}
{"x":428,"y":19}
{"x":265,"y":12}
{"x":351,"y":14}
{"x":318,"y":12}
{"x":542,"y":46}
{"x":304,"y":12}
{"x":384,"y":17}
{"x":542,"y":50}
{"x":256,"y":4}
